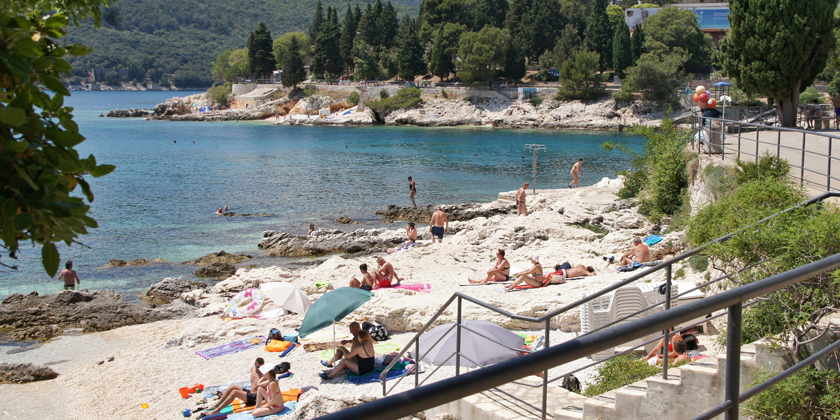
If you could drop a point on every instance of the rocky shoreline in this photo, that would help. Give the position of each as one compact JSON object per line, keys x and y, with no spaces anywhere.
{"x":482,"y":109}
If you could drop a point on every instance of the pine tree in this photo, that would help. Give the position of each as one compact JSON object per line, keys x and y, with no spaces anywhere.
{"x":515,"y":68}
{"x":357,"y":14}
{"x":326,"y":52}
{"x":293,"y":71}
{"x":376,"y":20}
{"x":598,"y":34}
{"x":490,"y":12}
{"x":637,"y":42}
{"x":444,"y":47}
{"x":317,"y":21}
{"x":388,"y":25}
{"x":622,"y":49}
{"x":261,"y":52}
{"x":536,"y":24}
{"x":410,"y":56}
{"x":348,"y":34}
{"x":778,"y":51}
{"x":367,"y":27}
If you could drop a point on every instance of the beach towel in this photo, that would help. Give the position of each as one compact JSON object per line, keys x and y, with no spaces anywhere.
{"x":403,"y":248}
{"x":378,"y":348}
{"x":417,"y":287}
{"x":397,"y":371}
{"x":652,"y":240}
{"x":229,"y":348}
{"x":526,"y":286}
{"x":288,"y":407}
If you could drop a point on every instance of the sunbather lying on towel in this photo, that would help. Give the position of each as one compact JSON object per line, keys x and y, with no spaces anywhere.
{"x":577,"y":271}
{"x":234,"y":392}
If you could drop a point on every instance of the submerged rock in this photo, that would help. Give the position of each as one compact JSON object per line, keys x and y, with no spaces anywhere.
{"x":39,"y":317}
{"x":216,"y":269}
{"x":128,"y":113}
{"x":136,"y":263}
{"x":19,"y":373}
{"x":220,"y":257}
{"x":344,"y":220}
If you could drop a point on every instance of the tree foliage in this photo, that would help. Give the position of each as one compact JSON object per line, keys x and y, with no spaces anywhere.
{"x":515,"y":68}
{"x":348,"y":35}
{"x":482,"y":53}
{"x":260,"y":52}
{"x":282,"y":45}
{"x":219,"y":95}
{"x":675,"y":31}
{"x":778,"y":51}
{"x":599,"y":33}
{"x":444,"y":49}
{"x":622,"y":49}
{"x":410,"y":57}
{"x":536,"y":24}
{"x":39,"y":166}
{"x":326,"y":51}
{"x":579,"y":78}
{"x":293,"y":71}
{"x":657,"y":78}
{"x":405,"y":98}
{"x":637,"y":42}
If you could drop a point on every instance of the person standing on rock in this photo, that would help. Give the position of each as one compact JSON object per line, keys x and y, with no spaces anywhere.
{"x":439,"y":225}
{"x":413,"y":190}
{"x":69,"y":275}
{"x":311,"y":229}
{"x":520,"y":200}
{"x":575,"y":171}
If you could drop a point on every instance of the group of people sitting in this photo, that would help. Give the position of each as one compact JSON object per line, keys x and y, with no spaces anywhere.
{"x":677,"y":349}
{"x":358,"y":358}
{"x":383,"y":276}
{"x":264,"y":393}
{"x":534,"y":276}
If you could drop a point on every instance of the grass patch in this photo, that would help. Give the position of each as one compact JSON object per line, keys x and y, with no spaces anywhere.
{"x":405,"y":98}
{"x":589,"y":226}
{"x":542,"y":237}
{"x":679,"y":273}
{"x":618,"y":372}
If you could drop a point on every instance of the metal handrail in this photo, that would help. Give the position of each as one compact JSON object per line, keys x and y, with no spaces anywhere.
{"x":547,"y":317}
{"x":454,"y":388}
{"x":698,"y":124}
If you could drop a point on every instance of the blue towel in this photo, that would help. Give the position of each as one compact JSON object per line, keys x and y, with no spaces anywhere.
{"x":652,"y":240}
{"x":246,"y":415}
{"x":374,"y":376}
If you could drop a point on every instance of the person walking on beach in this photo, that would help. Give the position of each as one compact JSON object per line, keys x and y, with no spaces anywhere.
{"x":575,"y":171}
{"x":439,"y":225}
{"x":413,"y":190}
{"x":69,"y":275}
{"x":520,"y":200}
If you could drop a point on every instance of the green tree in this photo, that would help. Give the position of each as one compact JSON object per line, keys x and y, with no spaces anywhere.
{"x":616,"y":15}
{"x":221,"y":66}
{"x":536,"y":24}
{"x":348,"y":34}
{"x":238,"y":64}
{"x":622,"y":49}
{"x":482,"y":53}
{"x":38,"y":163}
{"x":569,"y":41}
{"x":376,"y":22}
{"x":490,"y":12}
{"x":367,"y":27}
{"x":657,"y":78}
{"x":283,"y":43}
{"x":444,"y":48}
{"x":410,"y":56}
{"x":260,"y":52}
{"x":778,"y":51}
{"x":293,"y":71}
{"x":364,"y":61}
{"x":579,"y":78}
{"x":637,"y":42}
{"x":326,"y":52}
{"x":317,"y":21}
{"x":676,"y":31}
{"x":599,"y":33}
{"x":388,"y":26}
{"x":219,"y":95}
{"x":436,"y":13}
{"x":515,"y":68}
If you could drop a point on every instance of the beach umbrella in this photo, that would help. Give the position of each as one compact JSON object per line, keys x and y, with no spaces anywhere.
{"x":474,"y":347}
{"x":287,"y":296}
{"x":331,"y":307}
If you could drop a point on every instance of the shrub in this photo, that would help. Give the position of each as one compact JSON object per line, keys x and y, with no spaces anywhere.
{"x":443,"y":93}
{"x":309,"y":90}
{"x":383,"y":94}
{"x":579,"y":78}
{"x":219,"y":95}
{"x":809,"y":95}
{"x":405,"y":98}
{"x":536,"y":100}
{"x":353,"y":98}
{"x":679,"y":273}
{"x":623,"y":96}
{"x":618,"y":372}
{"x":698,"y":263}
{"x":809,"y":394}
{"x":768,"y":166}
{"x":657,"y":78}
{"x":720,"y":180}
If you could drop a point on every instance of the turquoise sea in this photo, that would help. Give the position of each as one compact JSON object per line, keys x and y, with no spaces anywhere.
{"x":160,"y":200}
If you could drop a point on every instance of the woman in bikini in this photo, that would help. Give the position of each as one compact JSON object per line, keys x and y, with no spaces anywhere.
{"x":363,"y":363}
{"x":271,"y":396}
{"x":533,"y":276}
{"x":499,"y":272}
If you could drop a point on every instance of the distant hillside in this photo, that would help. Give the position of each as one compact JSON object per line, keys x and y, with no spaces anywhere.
{"x":184,"y":36}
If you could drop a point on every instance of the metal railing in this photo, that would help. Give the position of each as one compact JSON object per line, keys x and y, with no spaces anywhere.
{"x":445,"y":391}
{"x":546,"y":319}
{"x":805,"y":151}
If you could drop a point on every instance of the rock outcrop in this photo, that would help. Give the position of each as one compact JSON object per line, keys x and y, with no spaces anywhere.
{"x":136,"y":263}
{"x":168,"y":290}
{"x":220,"y":257}
{"x":217,"y":269}
{"x":322,"y":241}
{"x":19,"y":373}
{"x":38,"y":317}
{"x":455,"y":212}
{"x":128,"y":113}
{"x":314,"y":404}
{"x":344,"y":220}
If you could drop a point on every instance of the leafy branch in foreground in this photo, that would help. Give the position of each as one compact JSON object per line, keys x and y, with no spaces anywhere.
{"x":38,"y":163}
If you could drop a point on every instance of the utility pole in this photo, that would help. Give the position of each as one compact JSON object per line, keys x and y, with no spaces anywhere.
{"x":535,"y":148}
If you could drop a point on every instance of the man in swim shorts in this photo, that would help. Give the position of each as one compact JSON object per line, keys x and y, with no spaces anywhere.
{"x":640,"y":253}
{"x":366,"y":281}
{"x":439,"y":225}
{"x":69,"y":275}
{"x":520,"y":200}
{"x":385,"y":274}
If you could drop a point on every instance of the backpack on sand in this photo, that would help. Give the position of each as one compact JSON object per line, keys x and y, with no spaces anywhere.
{"x":571,"y":383}
{"x":274,"y":334}
{"x":377,"y":332}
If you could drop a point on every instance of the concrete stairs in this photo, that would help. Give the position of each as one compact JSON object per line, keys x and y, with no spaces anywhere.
{"x":692,"y":388}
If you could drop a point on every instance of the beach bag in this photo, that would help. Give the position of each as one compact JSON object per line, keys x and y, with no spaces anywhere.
{"x":274,"y":334}
{"x":277,"y":345}
{"x":691,"y":342}
{"x":282,"y":368}
{"x":571,"y":383}
{"x":377,"y":332}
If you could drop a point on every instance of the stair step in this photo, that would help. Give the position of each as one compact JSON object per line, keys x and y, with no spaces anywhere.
{"x":637,"y":387}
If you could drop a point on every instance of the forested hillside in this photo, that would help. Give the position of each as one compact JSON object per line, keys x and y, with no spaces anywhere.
{"x":184,"y":37}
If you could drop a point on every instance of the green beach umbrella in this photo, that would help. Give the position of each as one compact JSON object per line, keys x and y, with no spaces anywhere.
{"x":331,"y":307}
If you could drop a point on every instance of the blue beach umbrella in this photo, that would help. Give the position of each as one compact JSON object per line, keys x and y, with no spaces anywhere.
{"x":331,"y":307}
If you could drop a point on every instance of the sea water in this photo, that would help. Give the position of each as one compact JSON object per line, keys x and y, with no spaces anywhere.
{"x":172,"y":176}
